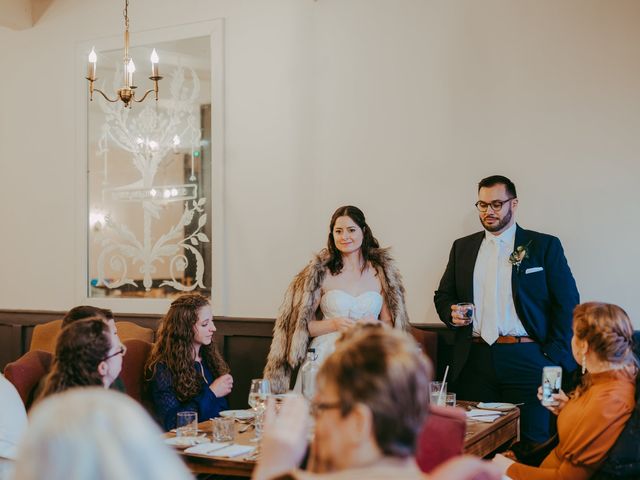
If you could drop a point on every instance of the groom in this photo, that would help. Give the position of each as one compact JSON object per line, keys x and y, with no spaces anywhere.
{"x":524,"y":295}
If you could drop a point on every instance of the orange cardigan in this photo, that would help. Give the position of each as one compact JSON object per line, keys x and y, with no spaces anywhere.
{"x":588,"y":426}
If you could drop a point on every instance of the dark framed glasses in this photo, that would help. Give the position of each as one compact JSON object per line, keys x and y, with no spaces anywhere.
{"x":121,"y":351}
{"x":496,"y":205}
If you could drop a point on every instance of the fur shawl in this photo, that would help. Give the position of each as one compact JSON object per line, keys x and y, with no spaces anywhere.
{"x":290,"y":332}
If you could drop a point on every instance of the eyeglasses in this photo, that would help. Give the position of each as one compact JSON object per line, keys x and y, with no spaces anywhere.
{"x":496,"y":205}
{"x":317,"y":407}
{"x":121,"y":351}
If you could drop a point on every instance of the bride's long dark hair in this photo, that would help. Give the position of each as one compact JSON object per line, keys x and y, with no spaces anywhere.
{"x":369,"y":242}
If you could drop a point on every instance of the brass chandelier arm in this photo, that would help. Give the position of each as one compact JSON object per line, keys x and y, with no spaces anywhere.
{"x":144,"y":96}
{"x":104,"y":95}
{"x":151,"y":90}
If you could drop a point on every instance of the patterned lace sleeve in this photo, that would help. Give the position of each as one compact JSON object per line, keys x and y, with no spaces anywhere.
{"x":165,"y":402}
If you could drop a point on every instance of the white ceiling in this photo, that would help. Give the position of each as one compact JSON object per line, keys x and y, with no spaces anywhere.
{"x":21,"y":14}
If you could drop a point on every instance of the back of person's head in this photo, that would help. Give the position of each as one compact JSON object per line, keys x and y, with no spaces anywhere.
{"x":80,"y":348}
{"x":95,"y":434}
{"x":174,"y":346}
{"x":385,"y":370}
{"x":85,"y":311}
{"x":607,"y":330}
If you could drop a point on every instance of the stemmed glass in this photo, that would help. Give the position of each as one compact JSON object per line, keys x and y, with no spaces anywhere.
{"x":258,"y":393}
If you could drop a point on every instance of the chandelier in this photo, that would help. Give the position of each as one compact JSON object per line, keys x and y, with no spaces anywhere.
{"x":127,"y":92}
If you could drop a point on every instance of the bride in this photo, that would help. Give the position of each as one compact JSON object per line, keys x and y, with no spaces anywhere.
{"x":350,"y":282}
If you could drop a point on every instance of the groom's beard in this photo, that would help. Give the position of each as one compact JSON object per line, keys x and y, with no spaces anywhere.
{"x":496,"y":227}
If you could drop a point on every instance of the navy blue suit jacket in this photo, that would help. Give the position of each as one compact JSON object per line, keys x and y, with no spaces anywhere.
{"x":544,"y":300}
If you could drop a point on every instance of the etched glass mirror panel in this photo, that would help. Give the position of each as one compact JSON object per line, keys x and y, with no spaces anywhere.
{"x":149,"y":176}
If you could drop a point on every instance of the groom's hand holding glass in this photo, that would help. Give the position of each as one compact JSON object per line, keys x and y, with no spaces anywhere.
{"x":462,"y":314}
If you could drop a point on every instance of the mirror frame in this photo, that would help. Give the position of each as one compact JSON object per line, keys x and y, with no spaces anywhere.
{"x":214,"y":29}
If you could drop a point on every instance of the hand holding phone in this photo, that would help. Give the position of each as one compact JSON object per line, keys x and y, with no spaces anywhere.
{"x":551,"y":384}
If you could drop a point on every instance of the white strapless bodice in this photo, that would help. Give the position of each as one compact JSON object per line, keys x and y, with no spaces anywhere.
{"x":338,"y":303}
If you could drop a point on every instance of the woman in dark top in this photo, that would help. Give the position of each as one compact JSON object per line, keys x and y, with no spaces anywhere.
{"x":186,"y":369}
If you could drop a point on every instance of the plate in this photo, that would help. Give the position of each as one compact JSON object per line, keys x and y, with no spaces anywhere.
{"x":239,"y":414}
{"x":499,"y":406}
{"x":184,"y":442}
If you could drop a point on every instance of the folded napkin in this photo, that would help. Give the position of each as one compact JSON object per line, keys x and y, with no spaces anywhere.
{"x":217,"y":449}
{"x":480,"y":415}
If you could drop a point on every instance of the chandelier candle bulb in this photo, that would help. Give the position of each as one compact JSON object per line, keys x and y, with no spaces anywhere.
{"x":131,"y":67}
{"x":93,"y":59}
{"x":154,"y":63}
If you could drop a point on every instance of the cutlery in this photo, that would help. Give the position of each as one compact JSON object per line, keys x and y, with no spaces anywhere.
{"x":247,"y":427}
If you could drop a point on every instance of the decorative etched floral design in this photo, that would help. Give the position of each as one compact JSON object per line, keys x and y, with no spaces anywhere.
{"x":520,"y":253}
{"x":149,"y":137}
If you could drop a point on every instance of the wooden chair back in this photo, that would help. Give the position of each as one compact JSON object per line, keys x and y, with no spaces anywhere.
{"x":129,"y":331}
{"x":45,"y":336}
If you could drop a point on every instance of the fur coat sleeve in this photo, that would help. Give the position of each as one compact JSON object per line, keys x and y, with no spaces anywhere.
{"x":290,"y":332}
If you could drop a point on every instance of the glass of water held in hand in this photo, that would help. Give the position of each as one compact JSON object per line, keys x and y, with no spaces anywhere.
{"x":467,"y":310}
{"x":258,"y":393}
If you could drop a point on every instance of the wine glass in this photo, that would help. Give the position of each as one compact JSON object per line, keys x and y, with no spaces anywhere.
{"x":258,"y":393}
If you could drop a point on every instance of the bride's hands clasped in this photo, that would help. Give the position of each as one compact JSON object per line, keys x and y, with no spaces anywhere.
{"x":342,"y":324}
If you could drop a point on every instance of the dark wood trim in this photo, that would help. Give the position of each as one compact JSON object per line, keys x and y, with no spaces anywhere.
{"x":244,"y":341}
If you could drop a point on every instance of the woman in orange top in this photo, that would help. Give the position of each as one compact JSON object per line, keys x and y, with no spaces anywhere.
{"x":592,"y":417}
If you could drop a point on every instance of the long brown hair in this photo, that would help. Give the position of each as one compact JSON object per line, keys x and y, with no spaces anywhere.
{"x":174,"y":347}
{"x":608,"y":331}
{"x":80,"y":348}
{"x":368,"y":240}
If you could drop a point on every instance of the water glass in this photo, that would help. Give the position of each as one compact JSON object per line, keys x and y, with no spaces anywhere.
{"x":449,"y":400}
{"x":436,"y":397}
{"x":187,"y":424}
{"x":468,"y":310}
{"x":223,"y":429}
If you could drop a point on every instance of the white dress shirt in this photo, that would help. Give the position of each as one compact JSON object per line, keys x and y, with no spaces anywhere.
{"x":508,"y":321}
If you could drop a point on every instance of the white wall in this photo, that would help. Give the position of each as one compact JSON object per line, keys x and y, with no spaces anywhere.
{"x":398,"y":106}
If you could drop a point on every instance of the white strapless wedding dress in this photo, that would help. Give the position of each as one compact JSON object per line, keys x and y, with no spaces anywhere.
{"x":338,"y":303}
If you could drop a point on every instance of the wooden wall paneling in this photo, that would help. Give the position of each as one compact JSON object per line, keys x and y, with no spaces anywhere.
{"x":247,"y":356}
{"x":11,"y":343}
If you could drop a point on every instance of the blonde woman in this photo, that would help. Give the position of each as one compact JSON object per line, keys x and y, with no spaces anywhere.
{"x":95,"y":433}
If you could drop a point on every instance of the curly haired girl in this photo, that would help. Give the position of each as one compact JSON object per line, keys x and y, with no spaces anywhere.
{"x":186,"y":369}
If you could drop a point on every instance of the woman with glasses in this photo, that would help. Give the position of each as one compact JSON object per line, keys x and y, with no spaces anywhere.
{"x":88,"y":353}
{"x":369,"y":407}
{"x":186,"y":369}
{"x":350,"y":282}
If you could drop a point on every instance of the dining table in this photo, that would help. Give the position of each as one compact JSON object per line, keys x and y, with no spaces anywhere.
{"x":481,"y":439}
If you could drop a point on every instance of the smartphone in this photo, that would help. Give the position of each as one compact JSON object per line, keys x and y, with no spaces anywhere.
{"x":551,"y":383}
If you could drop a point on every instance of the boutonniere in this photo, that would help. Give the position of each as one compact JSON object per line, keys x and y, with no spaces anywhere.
{"x":519,"y":254}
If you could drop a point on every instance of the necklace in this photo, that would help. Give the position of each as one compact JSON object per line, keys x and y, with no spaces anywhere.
{"x":202,"y":371}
